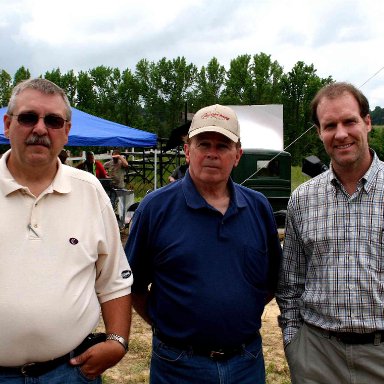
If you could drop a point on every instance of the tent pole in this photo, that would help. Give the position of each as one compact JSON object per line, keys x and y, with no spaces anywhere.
{"x":155,"y":170}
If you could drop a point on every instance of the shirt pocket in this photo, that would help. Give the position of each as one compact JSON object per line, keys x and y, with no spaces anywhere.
{"x":372,"y":249}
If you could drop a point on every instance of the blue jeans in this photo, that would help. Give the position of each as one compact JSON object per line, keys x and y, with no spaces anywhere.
{"x":171,"y":365}
{"x":63,"y":374}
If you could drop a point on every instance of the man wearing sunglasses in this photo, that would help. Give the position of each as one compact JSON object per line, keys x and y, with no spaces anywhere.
{"x":56,"y":272}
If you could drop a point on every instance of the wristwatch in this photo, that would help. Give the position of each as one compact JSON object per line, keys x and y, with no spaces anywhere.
{"x":119,"y":339}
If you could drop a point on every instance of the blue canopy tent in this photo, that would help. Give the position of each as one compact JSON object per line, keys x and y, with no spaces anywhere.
{"x":89,"y":130}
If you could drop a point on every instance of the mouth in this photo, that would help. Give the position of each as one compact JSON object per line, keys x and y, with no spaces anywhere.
{"x":344,"y":146}
{"x":210,"y":166}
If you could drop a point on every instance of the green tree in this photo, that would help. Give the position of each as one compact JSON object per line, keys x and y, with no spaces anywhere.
{"x":238,"y":86}
{"x":266,"y":79}
{"x":165,"y":87}
{"x":376,"y":141}
{"x":67,"y":81}
{"x":377,"y":116}
{"x":174,"y":79}
{"x":21,"y":74}
{"x":86,"y":97}
{"x":5,"y":88}
{"x":106,"y":82}
{"x":69,"y":84}
{"x":209,"y":85}
{"x":299,"y":86}
{"x":54,"y":76}
{"x":152,"y":104}
{"x":129,"y":110}
{"x":253,"y":80}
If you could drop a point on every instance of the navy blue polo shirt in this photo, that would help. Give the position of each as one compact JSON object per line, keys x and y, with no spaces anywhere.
{"x":209,"y":273}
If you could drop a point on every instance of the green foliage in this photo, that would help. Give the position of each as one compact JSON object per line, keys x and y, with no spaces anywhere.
{"x":155,"y":96}
{"x":165,"y":87}
{"x":20,"y":75}
{"x":5,"y":88}
{"x":299,"y":87}
{"x":209,"y":85}
{"x":86,"y":98}
{"x":377,"y":116}
{"x":253,"y":80}
{"x":376,"y":140}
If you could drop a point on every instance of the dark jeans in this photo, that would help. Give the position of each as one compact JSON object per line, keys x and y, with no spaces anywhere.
{"x":63,"y":374}
{"x":171,"y":365}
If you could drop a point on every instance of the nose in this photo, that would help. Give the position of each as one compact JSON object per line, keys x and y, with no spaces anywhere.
{"x":40,"y":128}
{"x":212,"y":153}
{"x":341,"y":132}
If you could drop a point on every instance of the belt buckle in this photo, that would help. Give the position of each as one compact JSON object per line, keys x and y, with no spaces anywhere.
{"x":25,"y":368}
{"x":216,"y":355}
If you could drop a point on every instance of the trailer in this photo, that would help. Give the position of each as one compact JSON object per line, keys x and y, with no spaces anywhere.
{"x":264,"y":166}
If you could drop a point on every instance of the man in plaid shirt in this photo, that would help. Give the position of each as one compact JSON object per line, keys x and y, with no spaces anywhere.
{"x":332,"y":276}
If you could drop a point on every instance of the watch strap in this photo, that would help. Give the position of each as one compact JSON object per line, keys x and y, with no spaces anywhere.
{"x":119,"y":339}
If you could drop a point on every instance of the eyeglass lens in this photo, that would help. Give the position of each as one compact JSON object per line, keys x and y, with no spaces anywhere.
{"x":30,"y":119}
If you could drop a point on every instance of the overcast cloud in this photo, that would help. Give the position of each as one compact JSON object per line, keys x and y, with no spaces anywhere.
{"x":341,"y":38}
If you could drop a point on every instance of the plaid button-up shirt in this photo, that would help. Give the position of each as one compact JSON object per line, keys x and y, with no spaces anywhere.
{"x":332,"y":273}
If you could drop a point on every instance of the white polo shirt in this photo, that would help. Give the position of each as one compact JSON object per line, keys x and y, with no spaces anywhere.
{"x":60,"y":255}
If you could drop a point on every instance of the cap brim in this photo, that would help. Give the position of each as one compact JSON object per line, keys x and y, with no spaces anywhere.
{"x":214,"y":128}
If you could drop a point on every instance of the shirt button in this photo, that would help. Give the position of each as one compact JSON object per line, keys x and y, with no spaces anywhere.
{"x":35,"y":225}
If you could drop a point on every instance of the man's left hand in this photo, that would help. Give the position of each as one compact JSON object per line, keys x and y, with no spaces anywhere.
{"x":98,"y":358}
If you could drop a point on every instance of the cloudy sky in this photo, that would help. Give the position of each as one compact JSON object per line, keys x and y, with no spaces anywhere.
{"x":341,"y":38}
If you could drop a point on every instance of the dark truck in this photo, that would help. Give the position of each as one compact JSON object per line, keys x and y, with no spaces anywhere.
{"x":269,"y":172}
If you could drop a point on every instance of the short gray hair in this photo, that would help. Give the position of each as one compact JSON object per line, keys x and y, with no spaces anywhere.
{"x":42,"y":85}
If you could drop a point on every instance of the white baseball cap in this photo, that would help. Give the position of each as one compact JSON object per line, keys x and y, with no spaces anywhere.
{"x":216,"y":118}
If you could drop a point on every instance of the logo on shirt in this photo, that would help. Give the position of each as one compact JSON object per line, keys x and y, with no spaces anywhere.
{"x":125,"y":274}
{"x":73,"y":241}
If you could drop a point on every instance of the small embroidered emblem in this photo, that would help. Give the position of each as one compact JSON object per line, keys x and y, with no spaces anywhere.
{"x":73,"y":241}
{"x":125,"y":274}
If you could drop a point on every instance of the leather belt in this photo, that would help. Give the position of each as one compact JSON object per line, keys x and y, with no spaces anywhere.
{"x":358,"y":338}
{"x":213,"y":353}
{"x":38,"y":369}
{"x":352,"y":337}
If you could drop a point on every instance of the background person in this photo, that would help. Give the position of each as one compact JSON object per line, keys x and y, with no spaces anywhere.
{"x":56,"y":273}
{"x":209,"y":251}
{"x":63,"y":156}
{"x":116,"y":168}
{"x":178,"y":173}
{"x":93,"y":166}
{"x":331,"y":286}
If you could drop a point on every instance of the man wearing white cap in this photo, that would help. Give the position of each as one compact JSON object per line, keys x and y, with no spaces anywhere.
{"x":205,"y":254}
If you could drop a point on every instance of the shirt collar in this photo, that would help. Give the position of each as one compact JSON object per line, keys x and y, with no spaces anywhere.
{"x":368,"y":178}
{"x":195,"y":200}
{"x":8,"y":184}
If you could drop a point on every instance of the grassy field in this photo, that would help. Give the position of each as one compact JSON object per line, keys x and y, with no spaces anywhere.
{"x":297,"y":177}
{"x":134,"y":368}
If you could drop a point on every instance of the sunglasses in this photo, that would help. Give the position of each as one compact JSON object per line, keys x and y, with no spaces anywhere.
{"x":30,"y":119}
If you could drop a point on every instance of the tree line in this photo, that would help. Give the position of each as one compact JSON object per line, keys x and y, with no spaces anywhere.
{"x":156,"y":96}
